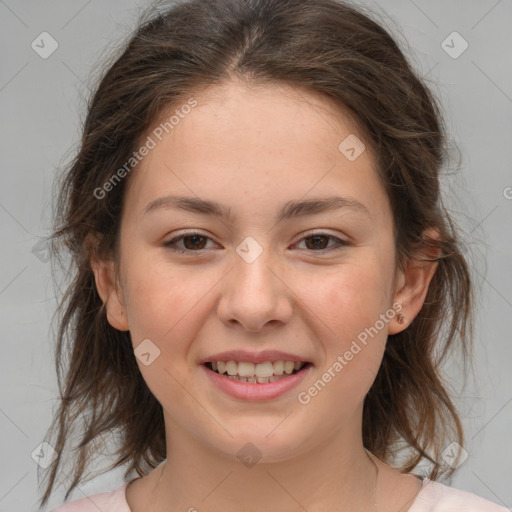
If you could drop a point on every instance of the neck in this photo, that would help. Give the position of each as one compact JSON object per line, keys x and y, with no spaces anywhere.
{"x":337,"y":475}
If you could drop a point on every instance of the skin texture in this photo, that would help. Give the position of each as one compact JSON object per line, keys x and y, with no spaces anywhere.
{"x":253,"y":149}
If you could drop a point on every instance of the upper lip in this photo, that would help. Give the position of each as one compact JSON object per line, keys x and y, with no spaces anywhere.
{"x":253,"y":357}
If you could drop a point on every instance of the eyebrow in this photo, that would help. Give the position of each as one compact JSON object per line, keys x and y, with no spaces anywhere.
{"x":291,"y":209}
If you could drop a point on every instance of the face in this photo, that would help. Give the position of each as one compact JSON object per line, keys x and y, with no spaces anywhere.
{"x":315,"y":284}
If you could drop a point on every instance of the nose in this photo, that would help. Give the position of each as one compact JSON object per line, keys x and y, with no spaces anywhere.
{"x":256,"y":294}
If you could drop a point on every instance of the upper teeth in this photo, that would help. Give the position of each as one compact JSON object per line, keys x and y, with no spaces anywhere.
{"x":266,"y":369}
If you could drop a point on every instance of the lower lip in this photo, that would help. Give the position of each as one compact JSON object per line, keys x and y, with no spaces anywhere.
{"x":254,"y":391}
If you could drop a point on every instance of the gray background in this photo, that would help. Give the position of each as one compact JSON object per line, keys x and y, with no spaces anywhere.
{"x":42,"y":105}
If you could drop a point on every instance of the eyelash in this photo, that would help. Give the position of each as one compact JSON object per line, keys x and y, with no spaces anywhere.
{"x":171,"y":243}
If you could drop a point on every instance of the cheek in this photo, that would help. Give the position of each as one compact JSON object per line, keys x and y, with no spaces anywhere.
{"x":351,"y":304}
{"x":160,"y":294}
{"x":356,"y":294}
{"x":164,"y":312}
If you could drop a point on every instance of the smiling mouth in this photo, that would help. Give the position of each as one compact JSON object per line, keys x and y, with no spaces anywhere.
{"x":261,"y":373}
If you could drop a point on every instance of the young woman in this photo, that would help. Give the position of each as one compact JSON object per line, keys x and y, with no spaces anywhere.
{"x":266,"y":281}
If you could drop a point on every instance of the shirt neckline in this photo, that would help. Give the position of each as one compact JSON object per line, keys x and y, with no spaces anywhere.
{"x":424,"y":480}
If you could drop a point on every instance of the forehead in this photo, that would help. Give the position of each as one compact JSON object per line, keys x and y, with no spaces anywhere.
{"x":277,"y":112}
{"x":250,"y":142}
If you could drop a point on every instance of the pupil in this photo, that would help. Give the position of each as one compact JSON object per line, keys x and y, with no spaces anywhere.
{"x":194,"y":237}
{"x":317,"y":237}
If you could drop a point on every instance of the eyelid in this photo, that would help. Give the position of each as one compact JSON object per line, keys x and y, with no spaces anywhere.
{"x":178,"y":237}
{"x":340,"y":242}
{"x":319,"y":231}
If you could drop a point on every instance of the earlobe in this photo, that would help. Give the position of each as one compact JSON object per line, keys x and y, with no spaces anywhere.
{"x":109,"y":292}
{"x":414,"y":284}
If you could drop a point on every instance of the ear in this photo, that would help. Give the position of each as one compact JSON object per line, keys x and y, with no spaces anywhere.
{"x":107,"y":286}
{"x":413,"y":284}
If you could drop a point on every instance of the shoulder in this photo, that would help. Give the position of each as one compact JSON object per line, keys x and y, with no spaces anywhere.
{"x":437,"y":497}
{"x":113,"y":501}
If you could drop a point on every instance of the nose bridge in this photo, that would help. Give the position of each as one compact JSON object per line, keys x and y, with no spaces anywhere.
{"x":253,"y":272}
{"x":255,"y":294}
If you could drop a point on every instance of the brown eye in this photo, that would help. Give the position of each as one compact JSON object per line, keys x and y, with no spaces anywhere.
{"x":196,"y":241}
{"x":319,"y":242}
{"x":192,"y":242}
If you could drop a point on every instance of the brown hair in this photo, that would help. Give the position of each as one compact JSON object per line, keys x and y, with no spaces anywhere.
{"x":324,"y":46}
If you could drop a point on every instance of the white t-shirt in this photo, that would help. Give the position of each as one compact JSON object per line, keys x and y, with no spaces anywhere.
{"x":433,"y":497}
